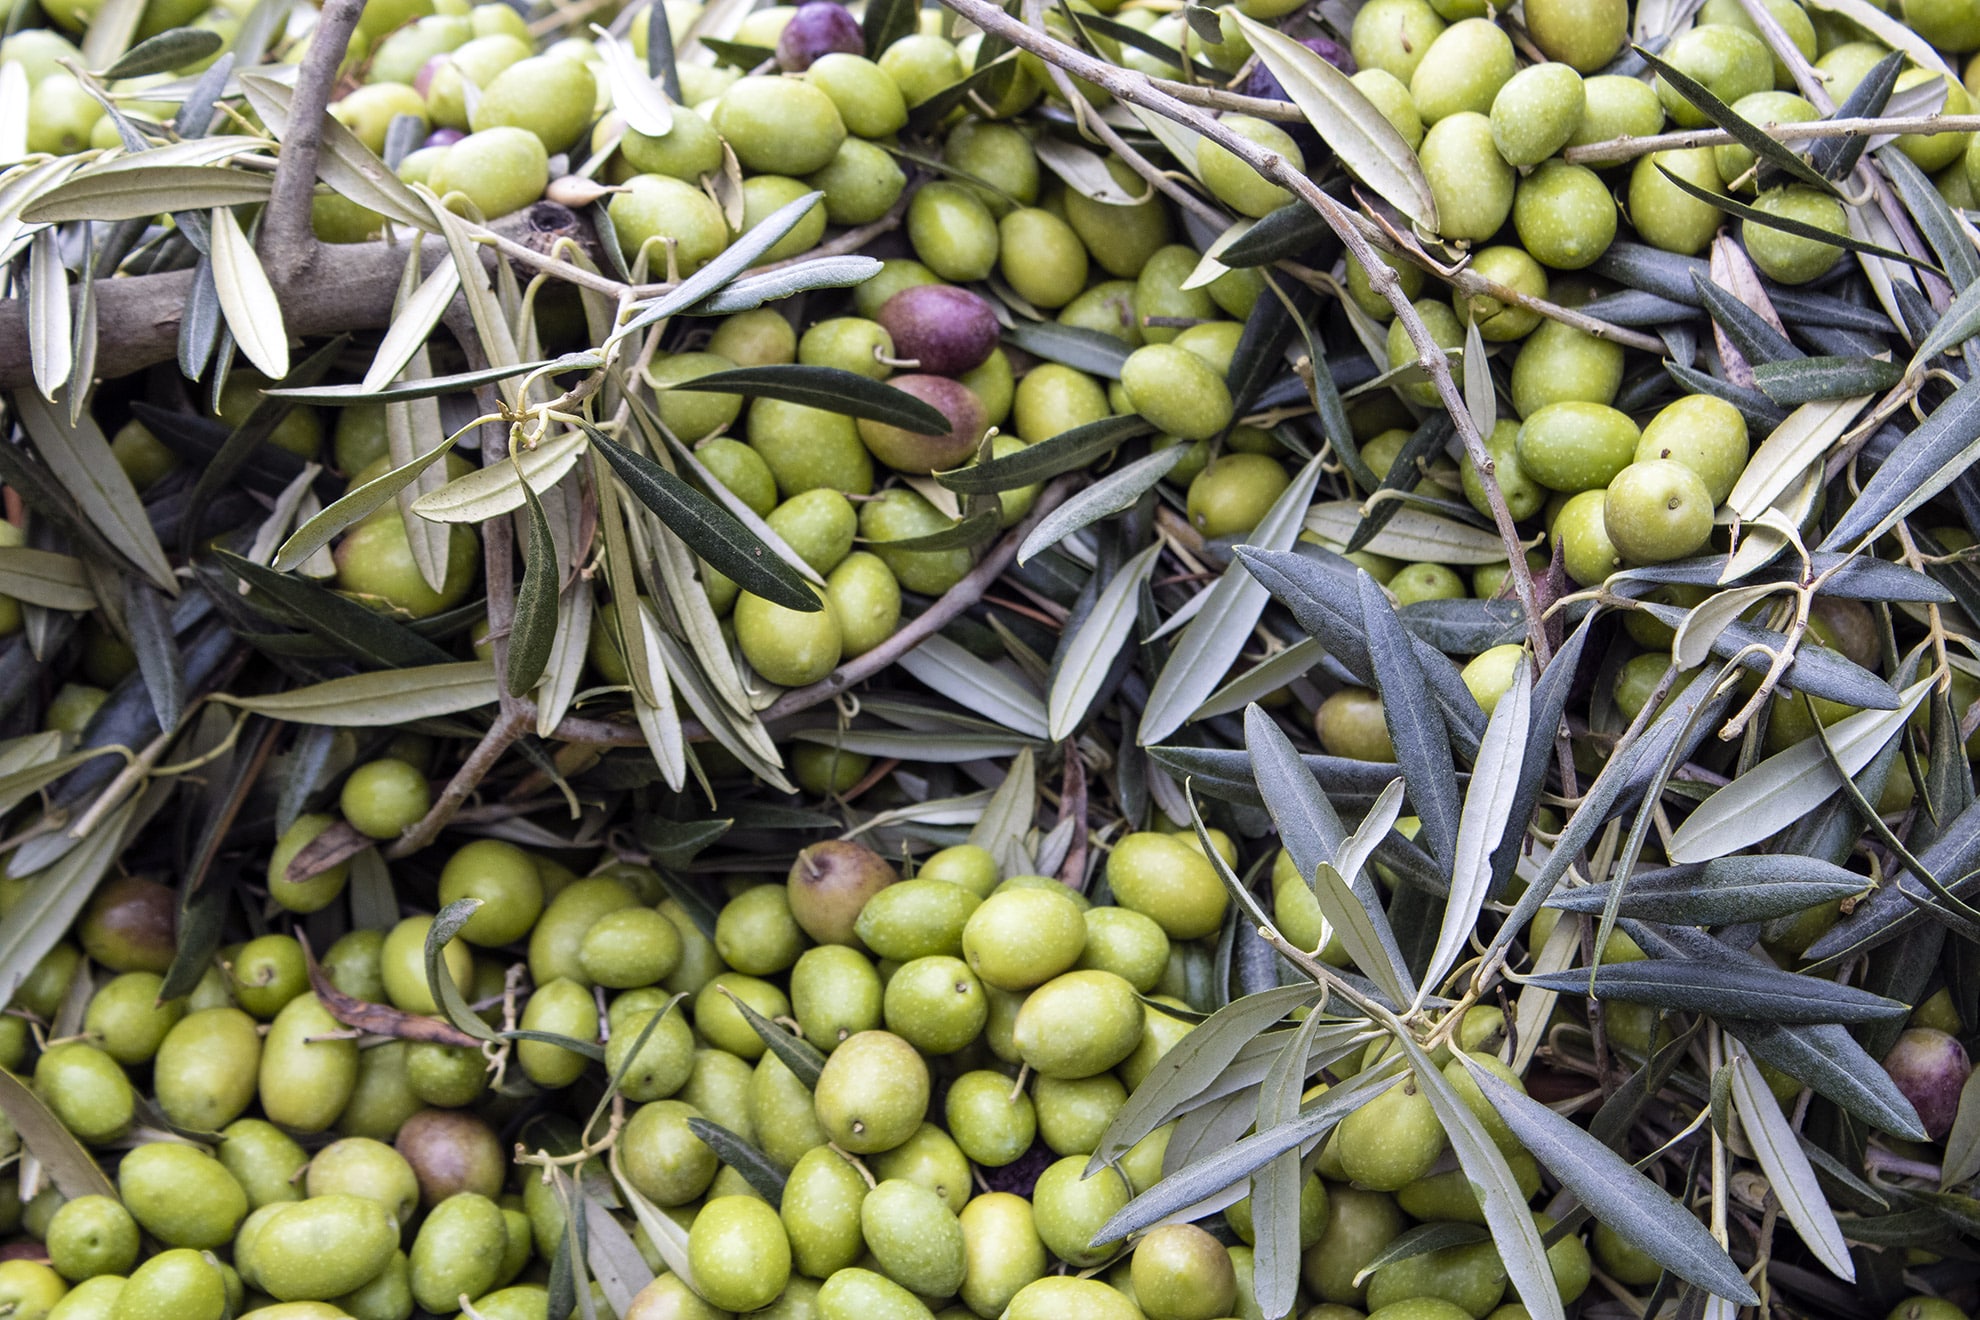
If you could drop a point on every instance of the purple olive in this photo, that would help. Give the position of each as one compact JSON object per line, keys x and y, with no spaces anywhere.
{"x":1930,"y":1067}
{"x":819,"y":27}
{"x":920,"y":452}
{"x":947,"y":330}
{"x":443,"y":137}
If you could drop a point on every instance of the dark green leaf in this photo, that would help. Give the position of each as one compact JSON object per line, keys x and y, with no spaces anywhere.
{"x":200,"y":323}
{"x":1721,"y":892}
{"x":261,"y":422}
{"x":1422,"y":743}
{"x":200,"y":932}
{"x":1403,"y":474}
{"x":1923,"y":464}
{"x":755,"y":290}
{"x":739,"y":53}
{"x":1751,"y":333}
{"x":799,"y":1055}
{"x":1088,"y":350}
{"x":1935,"y":220}
{"x":977,"y":529}
{"x":429,"y":387}
{"x":148,"y":617}
{"x":832,"y":389}
{"x":1743,"y":130}
{"x":1735,"y":988}
{"x":676,"y":843}
{"x":1287,"y":232}
{"x":196,"y":111}
{"x":886,"y":22}
{"x":535,"y":625}
{"x":1762,"y":414}
{"x":1828,"y":1059}
{"x":989,"y":80}
{"x":1226,"y":774}
{"x":1421,"y":1241}
{"x":1639,"y":1211}
{"x":1902,"y":901}
{"x":751,"y":1163}
{"x":1807,"y":380}
{"x":707,"y":528}
{"x":446,"y":925}
{"x":354,"y":630}
{"x":1142,"y":41}
{"x":1068,"y":451}
{"x":1836,"y":157}
{"x":1817,"y":671}
{"x":1800,"y":229}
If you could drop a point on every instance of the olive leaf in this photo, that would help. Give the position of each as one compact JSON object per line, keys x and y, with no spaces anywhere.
{"x":1734,"y":988}
{"x":49,"y":338}
{"x":369,"y":701}
{"x":1346,"y":120}
{"x":1724,"y":891}
{"x":977,"y":685}
{"x":351,"y":508}
{"x":1089,"y":655}
{"x":140,"y":192}
{"x":1069,"y":451}
{"x":1789,"y":1173}
{"x":1743,"y":131}
{"x":165,"y":52}
{"x":1111,"y":494}
{"x":1074,"y":346}
{"x":756,"y":1168}
{"x":534,"y":629}
{"x":709,"y":529}
{"x":1640,"y":1212}
{"x":489,"y":492}
{"x":794,"y":1052}
{"x":43,"y":1136}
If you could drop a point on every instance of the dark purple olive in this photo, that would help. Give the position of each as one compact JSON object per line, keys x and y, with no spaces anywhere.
{"x":830,"y":882}
{"x":1261,"y":83}
{"x":819,"y":27}
{"x":913,"y":451}
{"x":1930,"y":1067}
{"x":443,"y":137}
{"x":946,"y":330}
{"x":131,"y":925}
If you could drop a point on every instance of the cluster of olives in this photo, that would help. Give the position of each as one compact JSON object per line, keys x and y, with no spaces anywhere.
{"x":979,"y":1034}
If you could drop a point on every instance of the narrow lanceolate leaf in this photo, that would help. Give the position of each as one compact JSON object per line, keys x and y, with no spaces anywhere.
{"x":1692,"y":645}
{"x":1422,"y":743}
{"x":141,"y":192}
{"x":1207,"y":1176}
{"x":833,"y":389}
{"x":1481,"y":398}
{"x":1409,"y":532}
{"x":1962,"y":1160}
{"x":1812,"y":379}
{"x":1499,"y":1196}
{"x":1640,"y":1212}
{"x":1923,"y":464}
{"x":42,"y":577}
{"x":447,"y":923}
{"x":51,"y":905}
{"x":1090,"y":654}
{"x":246,"y":297}
{"x":1206,"y":649}
{"x":351,"y":169}
{"x":755,"y":290}
{"x":79,"y":458}
{"x":1786,"y":786}
{"x":43,"y":1136}
{"x":757,"y":1169}
{"x":1067,"y":451}
{"x":49,"y":347}
{"x":355,"y":505}
{"x":1787,"y":1168}
{"x":1488,"y":802}
{"x":635,"y":95}
{"x":738,"y":257}
{"x":1071,"y":345}
{"x":1114,"y":492}
{"x":365,"y":701}
{"x":1275,"y":1189}
{"x":165,"y":52}
{"x":1195,"y":1061}
{"x":1743,"y":130}
{"x":707,"y":528}
{"x":977,"y":685}
{"x":1346,"y":121}
{"x":412,"y":325}
{"x":494,"y":490}
{"x":535,"y":625}
{"x":1731,"y":987}
{"x":1722,"y":892}
{"x":1005,"y":820}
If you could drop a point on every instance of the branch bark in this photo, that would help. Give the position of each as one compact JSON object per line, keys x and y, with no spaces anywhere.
{"x":288,"y":244}
{"x":347,"y":286}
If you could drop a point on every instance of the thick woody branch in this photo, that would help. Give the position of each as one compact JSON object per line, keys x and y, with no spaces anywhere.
{"x":347,"y":287}
{"x":287,"y":242}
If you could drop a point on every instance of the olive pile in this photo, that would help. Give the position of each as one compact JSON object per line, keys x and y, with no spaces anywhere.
{"x":978,"y":1035}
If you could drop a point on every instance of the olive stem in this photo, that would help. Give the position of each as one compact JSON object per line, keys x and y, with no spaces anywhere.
{"x":1136,"y":89}
{"x":288,"y":241}
{"x":1614,"y":151}
{"x":1216,"y":98}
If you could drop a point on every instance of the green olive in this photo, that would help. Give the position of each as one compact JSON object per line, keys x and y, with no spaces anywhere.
{"x":1394,"y":36}
{"x":1792,"y":258}
{"x":1664,"y":215}
{"x":1470,"y":182}
{"x":1564,"y":215}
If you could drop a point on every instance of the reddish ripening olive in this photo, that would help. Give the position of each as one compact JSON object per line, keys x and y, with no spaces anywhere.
{"x":913,"y":451}
{"x":1930,"y":1067}
{"x":829,"y":884}
{"x":130,"y":926}
{"x":944,"y":329}
{"x":821,"y":27}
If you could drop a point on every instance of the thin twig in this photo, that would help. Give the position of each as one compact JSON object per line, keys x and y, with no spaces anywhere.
{"x":510,"y":725}
{"x":1614,"y":151}
{"x":287,"y":238}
